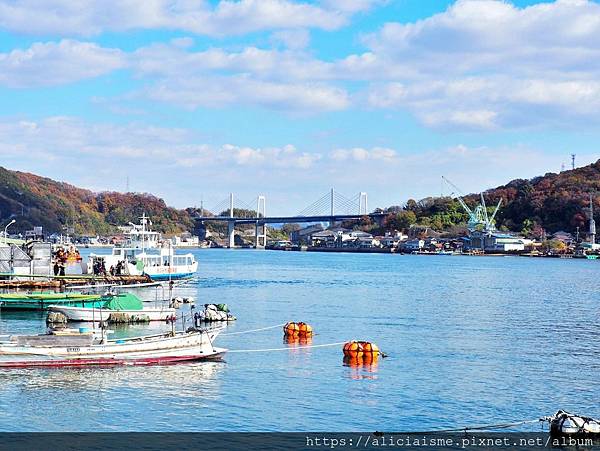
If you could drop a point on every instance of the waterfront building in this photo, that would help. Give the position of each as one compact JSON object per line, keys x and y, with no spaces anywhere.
{"x":494,"y":242}
{"x":325,"y":238}
{"x":413,"y":245}
{"x":357,"y":238}
{"x":304,"y":236}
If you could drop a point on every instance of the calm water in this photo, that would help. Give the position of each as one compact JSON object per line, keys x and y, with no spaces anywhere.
{"x":472,"y":340}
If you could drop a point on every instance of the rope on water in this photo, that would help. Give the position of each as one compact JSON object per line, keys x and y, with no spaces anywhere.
{"x":485,"y":427}
{"x":255,"y":330}
{"x":288,"y":348}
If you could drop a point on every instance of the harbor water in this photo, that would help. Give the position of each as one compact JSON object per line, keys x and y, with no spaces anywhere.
{"x":471,"y":340}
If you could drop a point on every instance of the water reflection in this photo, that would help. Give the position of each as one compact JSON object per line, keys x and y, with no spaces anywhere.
{"x":295,"y":341}
{"x":362,"y":366}
{"x":154,"y":380}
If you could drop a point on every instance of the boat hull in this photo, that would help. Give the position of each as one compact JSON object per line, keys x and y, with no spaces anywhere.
{"x":140,"y":361}
{"x":152,"y":350}
{"x":42,"y":302}
{"x":100,"y":314}
{"x":172,"y":276}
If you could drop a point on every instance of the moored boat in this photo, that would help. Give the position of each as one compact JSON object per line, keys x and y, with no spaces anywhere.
{"x":563,"y":423}
{"x":42,"y":300}
{"x":123,"y":307}
{"x":83,"y":348}
{"x":143,"y":253}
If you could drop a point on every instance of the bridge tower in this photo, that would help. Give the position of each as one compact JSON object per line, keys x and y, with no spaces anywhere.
{"x":332,"y":205}
{"x":231,"y":224}
{"x":363,"y":207}
{"x":261,"y":228}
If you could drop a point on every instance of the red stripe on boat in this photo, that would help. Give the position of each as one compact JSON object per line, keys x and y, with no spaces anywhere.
{"x":107,"y":362}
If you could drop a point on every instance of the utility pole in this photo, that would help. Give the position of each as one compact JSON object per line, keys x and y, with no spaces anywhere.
{"x":592,"y":222}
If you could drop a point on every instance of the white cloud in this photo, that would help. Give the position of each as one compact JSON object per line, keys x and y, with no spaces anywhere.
{"x":162,"y":60}
{"x":362,"y":154}
{"x":352,"y":6}
{"x":487,"y":64}
{"x":56,"y":63}
{"x":69,"y":137}
{"x":227,"y":17}
{"x":224,"y":91}
{"x":244,"y":156}
{"x":177,"y":164}
{"x":292,"y":39}
{"x":480,"y":65}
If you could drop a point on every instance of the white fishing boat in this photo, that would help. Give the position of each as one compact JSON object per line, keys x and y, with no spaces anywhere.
{"x":73,"y":347}
{"x":143,"y":253}
{"x":122,"y":307}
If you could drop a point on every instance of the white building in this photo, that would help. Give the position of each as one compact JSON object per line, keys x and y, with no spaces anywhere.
{"x":414,"y":245}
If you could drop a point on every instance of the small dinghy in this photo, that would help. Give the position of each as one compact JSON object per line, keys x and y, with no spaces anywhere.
{"x":567,"y":424}
{"x":81,"y":347}
{"x":117,"y":308}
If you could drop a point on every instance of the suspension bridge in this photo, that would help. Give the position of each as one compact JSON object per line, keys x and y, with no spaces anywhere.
{"x":331,"y":208}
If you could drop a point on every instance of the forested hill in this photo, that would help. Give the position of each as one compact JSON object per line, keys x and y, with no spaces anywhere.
{"x":35,"y":201}
{"x":551,"y":202}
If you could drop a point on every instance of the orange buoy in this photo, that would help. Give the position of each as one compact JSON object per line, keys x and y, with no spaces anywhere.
{"x":352,"y":348}
{"x":294,"y":329}
{"x":361,"y":350}
{"x":304,"y":329}
{"x":370,"y":348}
{"x":291,"y":329}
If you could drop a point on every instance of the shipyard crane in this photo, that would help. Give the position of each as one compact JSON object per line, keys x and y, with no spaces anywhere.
{"x":478,"y":217}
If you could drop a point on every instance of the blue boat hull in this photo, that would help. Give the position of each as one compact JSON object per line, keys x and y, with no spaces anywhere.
{"x":174,"y":276}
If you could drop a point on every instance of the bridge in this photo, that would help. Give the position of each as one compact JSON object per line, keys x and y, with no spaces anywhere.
{"x":332,"y":207}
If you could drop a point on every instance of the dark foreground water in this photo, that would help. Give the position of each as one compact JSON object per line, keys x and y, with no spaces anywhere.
{"x":472,"y":340}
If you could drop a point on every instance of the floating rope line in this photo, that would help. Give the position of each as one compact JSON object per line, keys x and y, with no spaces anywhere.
{"x":255,"y":330}
{"x":288,"y":348}
{"x":484,"y":427}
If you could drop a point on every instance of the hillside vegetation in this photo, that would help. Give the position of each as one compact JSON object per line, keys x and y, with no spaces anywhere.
{"x":551,"y":203}
{"x":34,"y":201}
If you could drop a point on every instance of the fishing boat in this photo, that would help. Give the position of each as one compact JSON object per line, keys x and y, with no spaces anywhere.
{"x":42,"y":300}
{"x":123,"y":307}
{"x":143,"y":253}
{"x":80,"y":347}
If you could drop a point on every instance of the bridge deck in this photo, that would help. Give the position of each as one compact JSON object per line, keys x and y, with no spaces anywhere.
{"x":288,"y":219}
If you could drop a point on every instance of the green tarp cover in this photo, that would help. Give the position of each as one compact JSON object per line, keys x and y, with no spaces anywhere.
{"x":123,"y":301}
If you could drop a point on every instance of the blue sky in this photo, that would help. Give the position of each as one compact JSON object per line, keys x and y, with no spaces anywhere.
{"x":192,"y":99}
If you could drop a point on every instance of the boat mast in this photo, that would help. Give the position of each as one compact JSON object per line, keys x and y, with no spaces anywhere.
{"x":143,"y":229}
